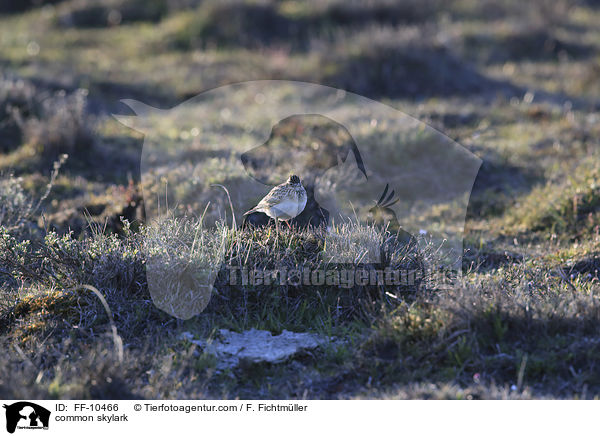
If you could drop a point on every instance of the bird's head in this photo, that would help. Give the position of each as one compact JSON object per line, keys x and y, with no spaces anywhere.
{"x":294,"y":180}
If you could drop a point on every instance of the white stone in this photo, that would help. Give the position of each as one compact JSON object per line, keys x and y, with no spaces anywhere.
{"x":256,"y":346}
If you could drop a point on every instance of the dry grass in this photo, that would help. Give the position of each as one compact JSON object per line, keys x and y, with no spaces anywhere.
{"x":514,"y":82}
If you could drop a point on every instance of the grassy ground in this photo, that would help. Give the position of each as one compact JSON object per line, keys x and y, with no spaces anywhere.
{"x":516,"y":83}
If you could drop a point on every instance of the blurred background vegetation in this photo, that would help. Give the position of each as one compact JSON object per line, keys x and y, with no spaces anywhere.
{"x":515,"y":82}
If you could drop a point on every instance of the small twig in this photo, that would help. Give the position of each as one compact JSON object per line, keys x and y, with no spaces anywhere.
{"x":59,"y":163}
{"x":116,"y":338}
{"x":521,"y":372}
{"x":233,"y":224}
{"x":24,"y":357}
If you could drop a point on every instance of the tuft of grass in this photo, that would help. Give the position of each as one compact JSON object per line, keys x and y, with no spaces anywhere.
{"x":17,"y":103}
{"x":63,"y":126}
{"x":185,"y":258}
{"x":18,"y":208}
{"x":567,"y":209}
{"x":511,"y":331}
{"x":290,"y":25}
{"x":37,"y":128}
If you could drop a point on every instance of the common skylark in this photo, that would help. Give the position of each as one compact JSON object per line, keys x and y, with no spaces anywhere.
{"x":283,"y":202}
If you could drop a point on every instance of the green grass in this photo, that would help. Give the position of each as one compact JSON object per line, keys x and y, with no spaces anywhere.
{"x":514,"y":82}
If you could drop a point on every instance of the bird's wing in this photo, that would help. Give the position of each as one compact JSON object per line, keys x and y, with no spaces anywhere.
{"x":272,"y":198}
{"x":302,"y":205}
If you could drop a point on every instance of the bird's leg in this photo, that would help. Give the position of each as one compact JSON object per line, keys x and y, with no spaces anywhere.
{"x":289,"y":225}
{"x":277,"y":240}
